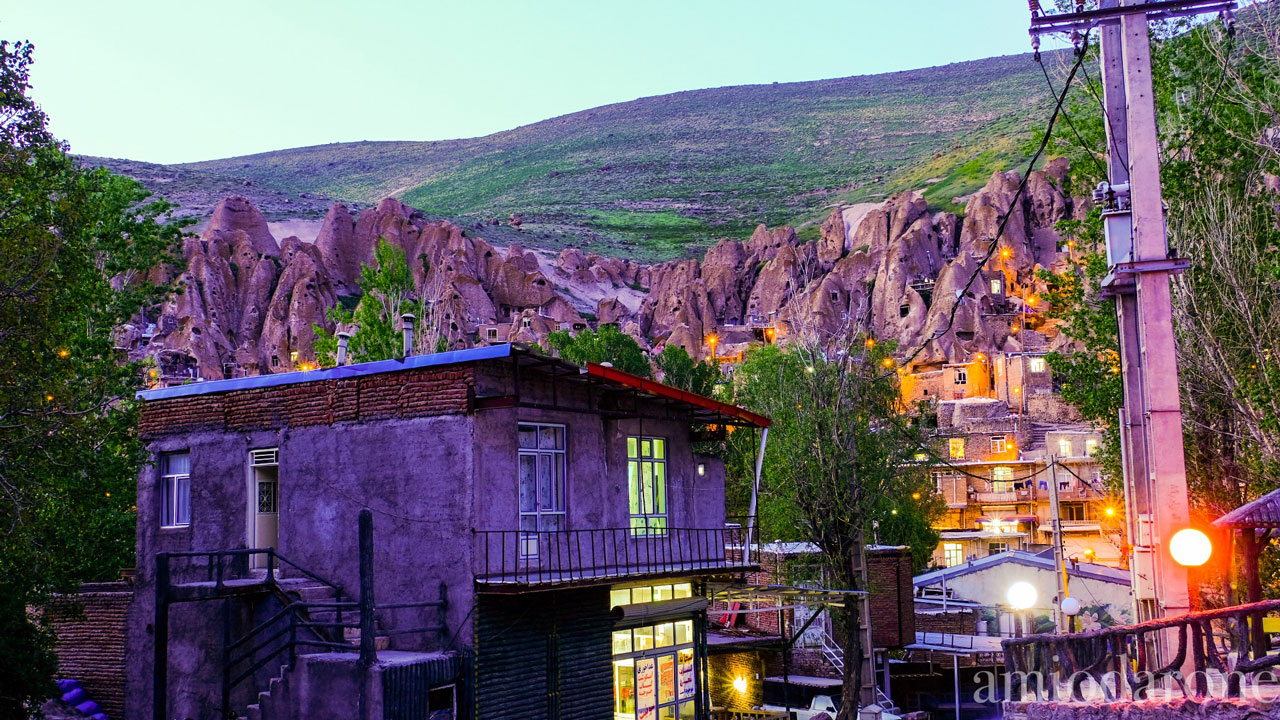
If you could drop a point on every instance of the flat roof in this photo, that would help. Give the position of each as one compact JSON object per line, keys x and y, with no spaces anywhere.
{"x":701,"y":409}
{"x":1021,"y":557}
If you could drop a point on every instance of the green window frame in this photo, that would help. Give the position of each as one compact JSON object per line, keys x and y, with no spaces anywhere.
{"x":647,"y":485}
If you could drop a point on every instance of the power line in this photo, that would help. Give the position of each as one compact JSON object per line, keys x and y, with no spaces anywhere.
{"x":1065,"y":116}
{"x":1017,"y":197}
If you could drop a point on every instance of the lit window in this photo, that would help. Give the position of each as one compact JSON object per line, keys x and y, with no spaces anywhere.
{"x":952,"y":554}
{"x":999,"y":444}
{"x":175,"y":484}
{"x":1001,"y":479}
{"x":1036,"y":365}
{"x":541,"y":483}
{"x":647,"y":485}
{"x":956,"y":446}
{"x":1091,"y":447}
{"x":1064,"y":447}
{"x":997,"y":286}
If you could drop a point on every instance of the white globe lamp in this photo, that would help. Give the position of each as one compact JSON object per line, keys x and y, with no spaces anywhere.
{"x":1071,"y":606}
{"x":1190,"y":547}
{"x":1021,"y":595}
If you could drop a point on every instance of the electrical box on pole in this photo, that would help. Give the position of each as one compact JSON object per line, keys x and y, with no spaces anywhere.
{"x":1140,"y":267}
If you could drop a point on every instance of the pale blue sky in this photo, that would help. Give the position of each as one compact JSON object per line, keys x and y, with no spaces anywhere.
{"x":187,"y":80}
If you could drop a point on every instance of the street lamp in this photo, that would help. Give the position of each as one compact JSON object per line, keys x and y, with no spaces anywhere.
{"x":1190,"y":547}
{"x":1070,"y":607}
{"x":1021,"y":596}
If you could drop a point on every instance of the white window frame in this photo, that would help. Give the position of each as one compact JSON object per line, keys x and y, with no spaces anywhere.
{"x":547,"y":514}
{"x":962,"y":376}
{"x":644,"y":523}
{"x":999,"y":444}
{"x":1064,"y":447}
{"x":1091,"y":447}
{"x":1036,"y":365}
{"x":952,"y":554}
{"x":1001,"y":479}
{"x":174,"y":488}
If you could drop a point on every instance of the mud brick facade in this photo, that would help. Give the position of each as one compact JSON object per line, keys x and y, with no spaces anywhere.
{"x":892,"y":599}
{"x":90,"y":629}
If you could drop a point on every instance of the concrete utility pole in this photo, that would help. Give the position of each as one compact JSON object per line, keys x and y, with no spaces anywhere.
{"x":1059,"y":562}
{"x":1138,"y":254}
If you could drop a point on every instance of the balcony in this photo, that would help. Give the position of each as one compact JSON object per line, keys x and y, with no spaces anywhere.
{"x":509,"y":560}
{"x":1004,"y":497}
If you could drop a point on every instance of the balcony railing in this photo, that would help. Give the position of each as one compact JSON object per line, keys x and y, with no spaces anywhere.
{"x":1225,"y":647}
{"x":1004,"y":497}
{"x":517,"y":557}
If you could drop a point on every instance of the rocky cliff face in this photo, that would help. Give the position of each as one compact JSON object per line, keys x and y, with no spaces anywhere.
{"x":247,"y":303}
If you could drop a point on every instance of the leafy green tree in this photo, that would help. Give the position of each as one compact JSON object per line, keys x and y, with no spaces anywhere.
{"x":680,"y":370}
{"x":841,"y":461}
{"x":387,"y":294}
{"x":606,"y":344}
{"x":77,"y":251}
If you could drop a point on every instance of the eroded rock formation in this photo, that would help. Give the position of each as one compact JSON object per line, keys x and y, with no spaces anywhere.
{"x":248,"y":303}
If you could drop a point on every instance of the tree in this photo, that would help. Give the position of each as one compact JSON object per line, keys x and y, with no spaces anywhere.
{"x":841,"y":457}
{"x":681,"y":371}
{"x":387,"y":294}
{"x":607,"y":344}
{"x":77,"y":253}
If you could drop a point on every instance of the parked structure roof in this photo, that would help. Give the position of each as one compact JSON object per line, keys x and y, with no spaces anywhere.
{"x":1263,"y":512}
{"x":1022,"y":557}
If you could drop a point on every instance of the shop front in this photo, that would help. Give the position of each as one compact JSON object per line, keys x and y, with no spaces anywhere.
{"x":659,"y":652}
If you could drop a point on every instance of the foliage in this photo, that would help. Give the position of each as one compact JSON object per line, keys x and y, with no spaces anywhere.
{"x":76,"y":262}
{"x":387,"y":294}
{"x":680,"y":370}
{"x":840,"y":459}
{"x":606,"y":344}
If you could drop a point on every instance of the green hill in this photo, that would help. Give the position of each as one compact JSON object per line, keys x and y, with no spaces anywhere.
{"x":662,"y":176}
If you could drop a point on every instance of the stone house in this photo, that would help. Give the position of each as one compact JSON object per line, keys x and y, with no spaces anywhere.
{"x":481,"y":533}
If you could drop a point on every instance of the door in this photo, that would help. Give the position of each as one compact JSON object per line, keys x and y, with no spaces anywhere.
{"x":264,"y":499}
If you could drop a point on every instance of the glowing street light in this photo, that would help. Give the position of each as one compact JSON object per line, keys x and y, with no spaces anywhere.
{"x":1110,"y":511}
{"x":915,"y":496}
{"x":1021,"y":595}
{"x":1190,"y":547}
{"x":1071,"y":606}
{"x":888,"y":362}
{"x":740,"y":684}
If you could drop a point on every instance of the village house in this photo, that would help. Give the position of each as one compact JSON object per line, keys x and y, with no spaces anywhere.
{"x":481,"y":533}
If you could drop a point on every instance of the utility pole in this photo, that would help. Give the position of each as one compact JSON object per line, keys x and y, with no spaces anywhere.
{"x":1059,"y":562}
{"x":1138,"y":254}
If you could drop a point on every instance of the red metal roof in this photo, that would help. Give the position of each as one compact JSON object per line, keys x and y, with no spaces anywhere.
{"x":657,"y":389}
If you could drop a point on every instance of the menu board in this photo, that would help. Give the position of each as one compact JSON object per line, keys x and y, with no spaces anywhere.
{"x":646,"y":690}
{"x":687,"y":684}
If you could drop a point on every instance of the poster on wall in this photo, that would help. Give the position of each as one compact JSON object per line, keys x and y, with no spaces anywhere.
{"x":687,"y":686}
{"x":646,"y":690}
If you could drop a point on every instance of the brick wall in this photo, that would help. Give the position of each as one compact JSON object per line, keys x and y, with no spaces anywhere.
{"x":724,"y":669}
{"x":90,"y":631}
{"x":405,"y":394}
{"x":804,"y":661}
{"x":892,"y":598}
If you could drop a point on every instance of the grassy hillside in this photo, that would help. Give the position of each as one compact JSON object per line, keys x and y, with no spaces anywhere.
{"x":662,"y":176}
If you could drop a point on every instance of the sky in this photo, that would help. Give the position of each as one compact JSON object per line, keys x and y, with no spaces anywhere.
{"x":181,"y":81}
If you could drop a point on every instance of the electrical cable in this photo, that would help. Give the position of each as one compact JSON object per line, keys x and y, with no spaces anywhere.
{"x":1013,"y":206}
{"x":1065,"y":116}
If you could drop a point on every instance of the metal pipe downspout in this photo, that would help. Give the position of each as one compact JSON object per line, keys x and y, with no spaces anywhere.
{"x":755,"y":494}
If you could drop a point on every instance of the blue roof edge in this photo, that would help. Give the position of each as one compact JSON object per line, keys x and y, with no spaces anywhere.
{"x":209,"y":387}
{"x":1096,"y":571}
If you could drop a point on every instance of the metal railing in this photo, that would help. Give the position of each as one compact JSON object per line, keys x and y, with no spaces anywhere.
{"x":519,"y":557}
{"x":1124,"y":655}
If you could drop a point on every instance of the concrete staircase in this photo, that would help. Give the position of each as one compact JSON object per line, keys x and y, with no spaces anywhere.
{"x":274,"y":703}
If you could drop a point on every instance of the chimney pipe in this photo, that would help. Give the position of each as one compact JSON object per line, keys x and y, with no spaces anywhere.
{"x":343,"y":337}
{"x":407,"y":320}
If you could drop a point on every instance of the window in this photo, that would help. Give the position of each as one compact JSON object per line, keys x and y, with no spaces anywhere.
{"x":175,"y":485}
{"x":649,"y":593}
{"x":996,"y":548}
{"x":647,"y":485}
{"x":1036,"y":365}
{"x":1001,"y":480}
{"x":956,"y":445}
{"x":542,"y":473}
{"x":1073,"y":511}
{"x":997,"y":286}
{"x":654,"y":675}
{"x":492,"y":333}
{"x":1091,"y":447}
{"x":952,"y":554}
{"x":999,"y":444}
{"x":962,"y":376}
{"x":1064,"y":447}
